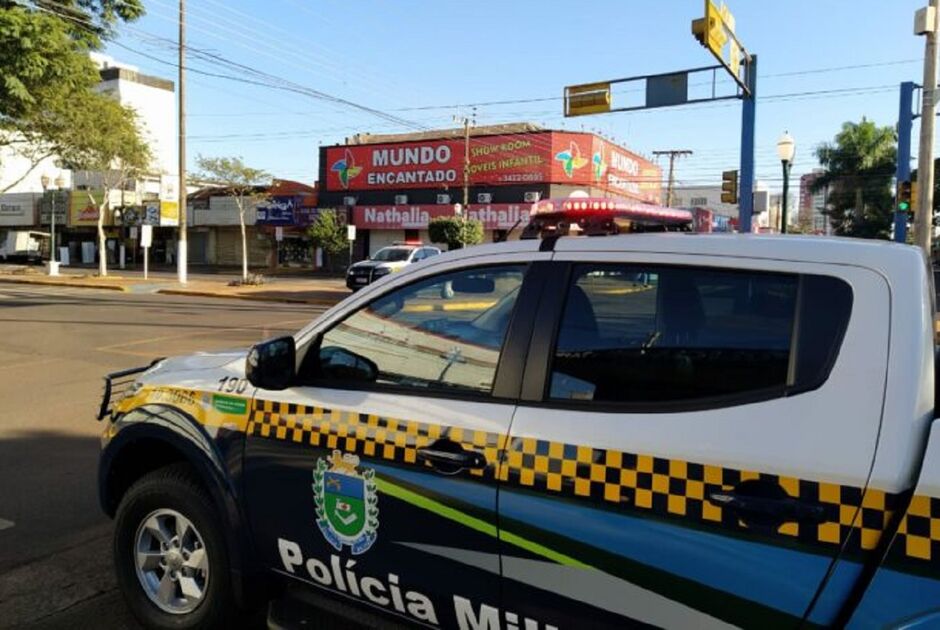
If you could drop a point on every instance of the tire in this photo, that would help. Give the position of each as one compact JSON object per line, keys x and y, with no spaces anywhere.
{"x":155,"y":499}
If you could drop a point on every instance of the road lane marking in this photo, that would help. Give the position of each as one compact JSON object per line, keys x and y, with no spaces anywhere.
{"x":5,"y":524}
{"x":9,"y":366}
{"x":120,"y":348}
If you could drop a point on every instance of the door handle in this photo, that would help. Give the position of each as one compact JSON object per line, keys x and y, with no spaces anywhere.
{"x":784,"y":509}
{"x":450,"y":457}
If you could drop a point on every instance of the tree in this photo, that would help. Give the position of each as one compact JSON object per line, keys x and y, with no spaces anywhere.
{"x":245,"y":184}
{"x":329,"y":233}
{"x":859,"y":166}
{"x":455,"y":231}
{"x":45,"y":71}
{"x":106,"y":141}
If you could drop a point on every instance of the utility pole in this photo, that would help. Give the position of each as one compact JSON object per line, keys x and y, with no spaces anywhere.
{"x":923,"y":219}
{"x":181,"y":251}
{"x":466,"y":162}
{"x":467,"y":121}
{"x":673,"y":154}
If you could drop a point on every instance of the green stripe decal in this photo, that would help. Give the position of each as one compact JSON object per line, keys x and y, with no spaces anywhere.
{"x":434,"y":506}
{"x":477,"y":524}
{"x":541,"y":550}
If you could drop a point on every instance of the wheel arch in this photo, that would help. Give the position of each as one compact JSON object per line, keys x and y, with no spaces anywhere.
{"x":152,"y":437}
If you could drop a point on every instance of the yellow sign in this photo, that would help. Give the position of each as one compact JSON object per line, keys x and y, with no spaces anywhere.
{"x":716,"y":33}
{"x":588,"y":98}
{"x":83,"y":207}
{"x":169,"y":213}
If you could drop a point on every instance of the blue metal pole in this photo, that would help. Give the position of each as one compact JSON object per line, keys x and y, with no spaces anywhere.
{"x":905,"y":122}
{"x":746,"y":185}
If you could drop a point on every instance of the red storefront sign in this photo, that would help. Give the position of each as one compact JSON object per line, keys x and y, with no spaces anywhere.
{"x":586,"y":160}
{"x":493,"y":160}
{"x":580,"y":159}
{"x":497,"y":216}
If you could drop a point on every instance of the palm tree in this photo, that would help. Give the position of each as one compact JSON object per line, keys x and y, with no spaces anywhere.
{"x":858,"y":167}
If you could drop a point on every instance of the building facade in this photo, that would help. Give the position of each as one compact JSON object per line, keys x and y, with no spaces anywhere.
{"x":391,"y":186}
{"x":813,"y":204}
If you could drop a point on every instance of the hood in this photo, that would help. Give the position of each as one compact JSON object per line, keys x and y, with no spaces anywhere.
{"x":200,"y":361}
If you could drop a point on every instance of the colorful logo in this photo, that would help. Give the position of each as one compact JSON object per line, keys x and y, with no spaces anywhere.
{"x":346,"y":168}
{"x":347,"y":502}
{"x":600,"y":166}
{"x":571,"y":160}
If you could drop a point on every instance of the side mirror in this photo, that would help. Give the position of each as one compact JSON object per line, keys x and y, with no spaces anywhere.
{"x":271,"y":364}
{"x":342,"y":365}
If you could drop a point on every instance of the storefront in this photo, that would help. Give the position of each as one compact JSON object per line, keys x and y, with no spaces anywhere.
{"x":285,"y":217}
{"x":18,"y":210}
{"x":392,"y":186}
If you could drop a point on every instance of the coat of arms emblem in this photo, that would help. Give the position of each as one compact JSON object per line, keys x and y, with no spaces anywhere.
{"x":346,"y":502}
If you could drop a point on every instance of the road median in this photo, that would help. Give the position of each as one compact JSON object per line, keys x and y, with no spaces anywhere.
{"x":286,"y":297}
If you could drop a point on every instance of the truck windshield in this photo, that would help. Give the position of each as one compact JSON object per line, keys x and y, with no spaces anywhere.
{"x":392,"y":254}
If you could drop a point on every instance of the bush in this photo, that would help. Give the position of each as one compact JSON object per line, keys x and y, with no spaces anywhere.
{"x":455,"y":232}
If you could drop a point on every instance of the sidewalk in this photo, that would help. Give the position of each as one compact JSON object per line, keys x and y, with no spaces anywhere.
{"x":292,"y":290}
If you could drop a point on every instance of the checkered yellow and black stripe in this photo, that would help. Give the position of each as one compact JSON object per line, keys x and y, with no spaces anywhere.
{"x":675,"y":488}
{"x":367,"y":435}
{"x":669,"y":488}
{"x":919,"y":532}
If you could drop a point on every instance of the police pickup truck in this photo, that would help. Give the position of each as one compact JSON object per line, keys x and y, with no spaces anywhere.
{"x":654,"y":430}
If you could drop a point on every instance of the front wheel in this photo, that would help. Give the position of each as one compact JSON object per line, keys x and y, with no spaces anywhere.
{"x":170,"y":557}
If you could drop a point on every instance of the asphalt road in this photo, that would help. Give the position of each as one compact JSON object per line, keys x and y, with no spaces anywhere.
{"x":56,"y":343}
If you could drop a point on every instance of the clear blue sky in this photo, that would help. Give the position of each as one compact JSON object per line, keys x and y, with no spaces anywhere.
{"x":395,"y":56}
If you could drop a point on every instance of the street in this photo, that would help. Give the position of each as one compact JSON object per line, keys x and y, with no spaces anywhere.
{"x":55,"y":543}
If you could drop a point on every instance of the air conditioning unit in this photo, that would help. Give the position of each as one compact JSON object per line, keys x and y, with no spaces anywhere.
{"x":532,"y":196}
{"x":484,"y":197}
{"x":401,"y":200}
{"x":349,"y":201}
{"x":443,"y":200}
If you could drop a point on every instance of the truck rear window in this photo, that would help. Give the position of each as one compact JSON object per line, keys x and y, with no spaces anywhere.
{"x":659,"y":334}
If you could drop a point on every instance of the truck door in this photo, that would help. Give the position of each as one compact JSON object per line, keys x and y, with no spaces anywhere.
{"x":371,"y":475}
{"x":906,"y":586}
{"x":684,"y":454}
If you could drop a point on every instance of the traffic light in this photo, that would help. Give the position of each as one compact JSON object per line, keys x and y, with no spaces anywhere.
{"x":904,"y":197}
{"x":729,"y":187}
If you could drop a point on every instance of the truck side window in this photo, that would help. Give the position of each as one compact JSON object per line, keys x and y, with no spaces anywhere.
{"x":658,"y":334}
{"x":442,"y":333}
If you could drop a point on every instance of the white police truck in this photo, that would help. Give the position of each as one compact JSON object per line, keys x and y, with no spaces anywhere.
{"x":654,"y":430}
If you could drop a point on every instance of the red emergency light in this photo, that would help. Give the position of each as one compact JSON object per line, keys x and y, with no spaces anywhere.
{"x":596,"y":216}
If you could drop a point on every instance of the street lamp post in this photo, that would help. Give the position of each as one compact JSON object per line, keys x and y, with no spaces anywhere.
{"x":59,"y":185}
{"x":786,"y":147}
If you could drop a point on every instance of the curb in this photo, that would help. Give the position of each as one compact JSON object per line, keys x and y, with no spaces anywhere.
{"x":249,"y":297}
{"x":64,"y":283}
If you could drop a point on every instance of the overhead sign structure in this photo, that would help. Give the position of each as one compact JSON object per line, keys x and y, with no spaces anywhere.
{"x":716,"y":32}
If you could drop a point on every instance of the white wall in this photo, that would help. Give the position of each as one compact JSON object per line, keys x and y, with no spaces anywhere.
{"x":156,"y":109}
{"x":13,"y":166}
{"x":223,"y":211}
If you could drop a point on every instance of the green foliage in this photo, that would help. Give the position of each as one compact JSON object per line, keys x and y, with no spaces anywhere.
{"x":859,"y":166}
{"x":328,"y":233}
{"x":103,"y":135}
{"x":455,"y":231}
{"x":46,"y":77}
{"x":232,"y":173}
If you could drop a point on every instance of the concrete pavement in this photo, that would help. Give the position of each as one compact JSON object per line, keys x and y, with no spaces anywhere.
{"x":55,"y":550}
